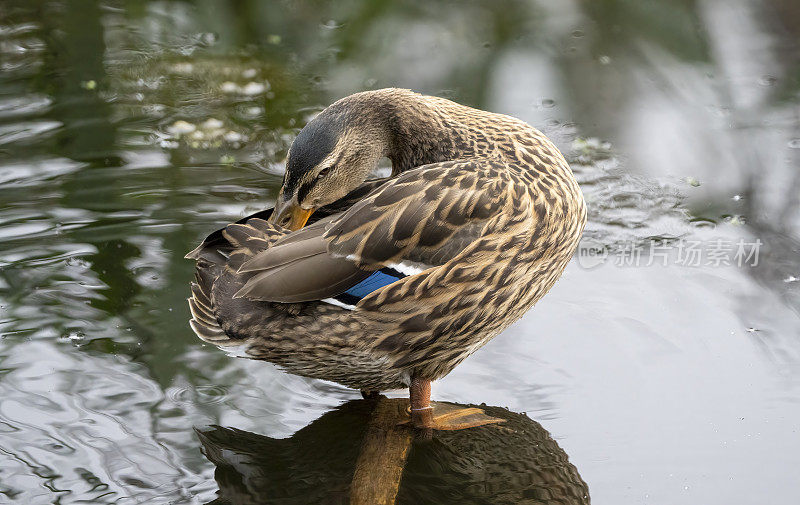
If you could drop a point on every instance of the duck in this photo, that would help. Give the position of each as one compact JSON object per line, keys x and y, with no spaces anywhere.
{"x":389,"y":283}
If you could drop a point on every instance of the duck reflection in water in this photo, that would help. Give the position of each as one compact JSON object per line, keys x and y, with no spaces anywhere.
{"x":361,"y":453}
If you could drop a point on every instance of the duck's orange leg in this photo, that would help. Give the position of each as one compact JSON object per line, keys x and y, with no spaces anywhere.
{"x":442,"y":416}
{"x":421,"y":409}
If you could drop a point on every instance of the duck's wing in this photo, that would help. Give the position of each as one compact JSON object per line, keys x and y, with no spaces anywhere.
{"x":298,"y":268}
{"x":426,"y":216}
{"x":215,"y":248}
{"x":417,"y":221}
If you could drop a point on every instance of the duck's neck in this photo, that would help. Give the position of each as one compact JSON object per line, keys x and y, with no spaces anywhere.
{"x":416,"y":140}
{"x":417,"y":131}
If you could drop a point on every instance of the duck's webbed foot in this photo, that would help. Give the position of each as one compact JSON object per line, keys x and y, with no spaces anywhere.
{"x":446,"y":416}
{"x":442,"y":416}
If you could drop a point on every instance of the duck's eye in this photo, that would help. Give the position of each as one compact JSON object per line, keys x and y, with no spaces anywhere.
{"x":322,"y":173}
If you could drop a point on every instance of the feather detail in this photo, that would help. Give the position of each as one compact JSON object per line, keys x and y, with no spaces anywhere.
{"x":403,"y":277}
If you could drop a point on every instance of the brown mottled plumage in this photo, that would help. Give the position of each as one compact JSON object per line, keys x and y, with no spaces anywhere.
{"x":484,"y":203}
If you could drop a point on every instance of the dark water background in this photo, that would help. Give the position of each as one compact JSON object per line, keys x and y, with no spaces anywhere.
{"x":128,"y":130}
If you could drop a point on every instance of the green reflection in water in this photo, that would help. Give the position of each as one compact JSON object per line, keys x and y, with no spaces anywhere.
{"x":128,"y":130}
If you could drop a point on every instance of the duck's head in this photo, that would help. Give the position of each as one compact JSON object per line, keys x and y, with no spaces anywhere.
{"x":333,"y":155}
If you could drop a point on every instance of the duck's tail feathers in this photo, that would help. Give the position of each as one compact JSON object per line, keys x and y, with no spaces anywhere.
{"x":203,"y":322}
{"x":218,"y":258}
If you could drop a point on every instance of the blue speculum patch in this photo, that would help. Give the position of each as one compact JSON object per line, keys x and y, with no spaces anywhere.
{"x":374,"y":282}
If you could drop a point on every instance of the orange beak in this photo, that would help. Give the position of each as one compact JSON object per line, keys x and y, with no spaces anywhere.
{"x":298,"y":216}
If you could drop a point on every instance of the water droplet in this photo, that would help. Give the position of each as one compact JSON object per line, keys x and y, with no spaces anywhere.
{"x":736,"y":220}
{"x":577,"y":33}
{"x":767,"y":80}
{"x":604,"y":60}
{"x":794,"y":144}
{"x":205,"y":394}
{"x":703,"y":223}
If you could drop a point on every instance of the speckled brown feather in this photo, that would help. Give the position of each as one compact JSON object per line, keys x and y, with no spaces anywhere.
{"x":482,"y":199}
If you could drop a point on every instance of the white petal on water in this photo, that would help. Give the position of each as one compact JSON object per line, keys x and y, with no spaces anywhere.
{"x":253,"y":88}
{"x":211,"y":124}
{"x":181,"y":127}
{"x":233,"y":136}
{"x":229,"y":87}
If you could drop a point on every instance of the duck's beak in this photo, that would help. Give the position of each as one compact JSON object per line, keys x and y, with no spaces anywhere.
{"x":296,"y":215}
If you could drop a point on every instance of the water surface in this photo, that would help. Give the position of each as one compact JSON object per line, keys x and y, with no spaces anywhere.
{"x":130,"y":130}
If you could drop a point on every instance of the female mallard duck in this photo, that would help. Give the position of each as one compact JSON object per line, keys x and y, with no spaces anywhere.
{"x":394,"y":281}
